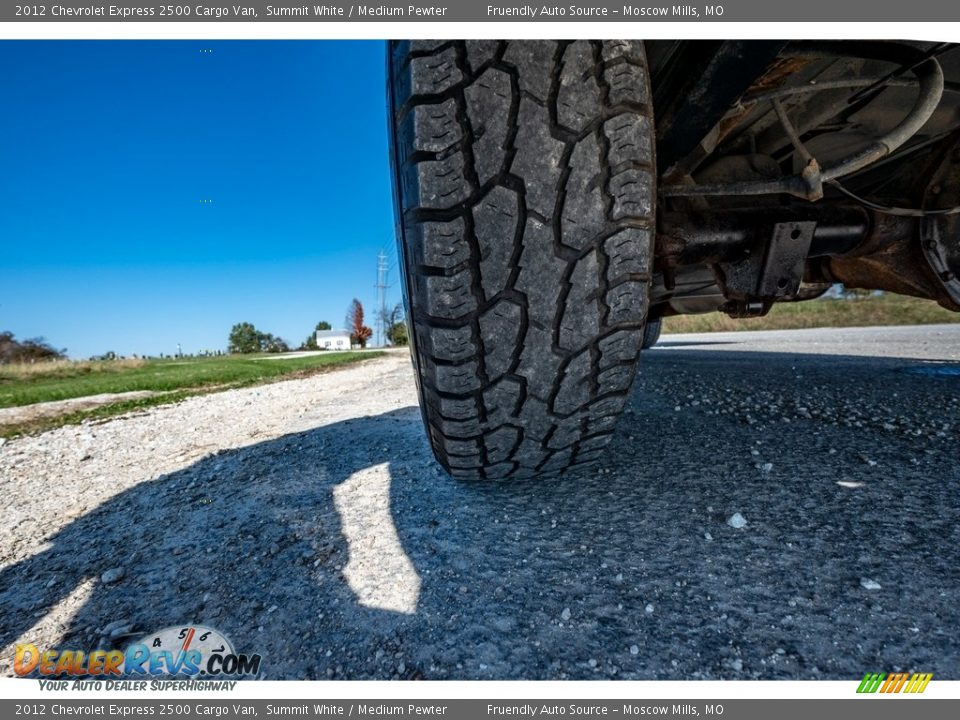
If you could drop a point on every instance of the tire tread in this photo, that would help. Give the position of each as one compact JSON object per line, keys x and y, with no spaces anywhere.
{"x":526,"y":187}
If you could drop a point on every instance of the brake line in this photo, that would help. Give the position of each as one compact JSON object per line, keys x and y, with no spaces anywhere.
{"x":888,"y":210}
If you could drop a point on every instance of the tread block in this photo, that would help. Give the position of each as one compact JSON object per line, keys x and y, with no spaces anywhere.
{"x":578,"y":98}
{"x":536,"y":418}
{"x":448,"y":343}
{"x":529,"y":455}
{"x":499,"y":329}
{"x":534,"y":59}
{"x":462,"y":448}
{"x":456,"y":408}
{"x":627,"y":302}
{"x":538,"y":362}
{"x":499,"y":470}
{"x":481,"y":51}
{"x":591,"y":445}
{"x":583,"y":206}
{"x":632,"y":192}
{"x":438,"y":244}
{"x":499,"y":443}
{"x":489,"y":100}
{"x":454,"y":379}
{"x":616,"y":378}
{"x":607,"y":407}
{"x":628,"y":253}
{"x":466,"y":475}
{"x":447,"y":297}
{"x":496,"y":220}
{"x":538,"y":157}
{"x":434,"y":74}
{"x":604,"y":424}
{"x":601,"y":425}
{"x":541,"y":273}
{"x":438,"y":184}
{"x":434,"y":127}
{"x":627,"y":83}
{"x":621,"y":346}
{"x":581,"y":314}
{"x":500,"y":401}
{"x":457,"y":429}
{"x":586,"y":460}
{"x":629,"y":138}
{"x":558,"y":461}
{"x":465,"y":462}
{"x":574,"y":391}
{"x":425,"y":45}
{"x":632,"y":50}
{"x":567,"y":433}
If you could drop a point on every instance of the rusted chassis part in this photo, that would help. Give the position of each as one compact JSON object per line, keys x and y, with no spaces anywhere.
{"x":940,"y":235}
{"x":847,"y":244}
{"x":718,"y":102}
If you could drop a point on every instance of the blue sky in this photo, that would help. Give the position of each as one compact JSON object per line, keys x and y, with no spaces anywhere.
{"x":107,"y":150}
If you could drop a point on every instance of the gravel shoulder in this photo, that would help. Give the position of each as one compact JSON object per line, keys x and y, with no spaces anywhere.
{"x":54,"y":408}
{"x":765,"y":512}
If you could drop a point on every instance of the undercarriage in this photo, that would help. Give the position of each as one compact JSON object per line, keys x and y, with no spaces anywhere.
{"x":786,"y":167}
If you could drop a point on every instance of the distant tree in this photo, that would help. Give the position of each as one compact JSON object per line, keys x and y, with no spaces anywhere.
{"x":395,"y":326}
{"x":397,"y":334}
{"x":856,"y":293}
{"x":311,"y":342}
{"x":273,"y":344}
{"x":359,"y":333}
{"x":31,"y":350}
{"x":244,"y":338}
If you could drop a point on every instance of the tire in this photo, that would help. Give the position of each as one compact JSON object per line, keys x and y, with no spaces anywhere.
{"x":524,"y":186}
{"x":651,"y":333}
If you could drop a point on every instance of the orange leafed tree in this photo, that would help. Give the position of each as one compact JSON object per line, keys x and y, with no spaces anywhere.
{"x":359,"y":333}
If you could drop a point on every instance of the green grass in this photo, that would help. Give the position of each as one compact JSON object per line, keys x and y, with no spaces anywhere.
{"x":884,"y":309}
{"x":174,"y":379}
{"x":63,"y":382}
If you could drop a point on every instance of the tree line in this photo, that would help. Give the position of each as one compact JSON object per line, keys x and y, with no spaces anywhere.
{"x":246,"y":338}
{"x":27,"y":351}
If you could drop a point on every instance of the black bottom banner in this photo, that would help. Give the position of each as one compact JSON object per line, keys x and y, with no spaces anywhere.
{"x":876,"y":708}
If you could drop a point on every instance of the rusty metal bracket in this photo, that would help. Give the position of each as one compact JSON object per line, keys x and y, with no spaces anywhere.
{"x":784,"y":262}
{"x":753,"y":284}
{"x":940,"y":234}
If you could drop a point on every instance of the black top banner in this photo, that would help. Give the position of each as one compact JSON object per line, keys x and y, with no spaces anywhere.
{"x":478,"y":11}
{"x":230,"y":708}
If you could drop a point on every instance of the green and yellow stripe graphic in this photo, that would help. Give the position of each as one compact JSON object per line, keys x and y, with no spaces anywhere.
{"x":894,"y":682}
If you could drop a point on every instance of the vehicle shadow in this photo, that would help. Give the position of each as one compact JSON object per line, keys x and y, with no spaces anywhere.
{"x":343,"y":552}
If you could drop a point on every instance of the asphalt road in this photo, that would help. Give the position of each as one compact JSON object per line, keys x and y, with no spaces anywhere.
{"x":918,"y":342}
{"x":331,"y":543}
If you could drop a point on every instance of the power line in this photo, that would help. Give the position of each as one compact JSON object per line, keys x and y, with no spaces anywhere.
{"x":381,"y":287}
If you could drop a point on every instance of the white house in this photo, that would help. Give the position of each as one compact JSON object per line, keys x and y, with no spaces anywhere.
{"x":333,"y":339}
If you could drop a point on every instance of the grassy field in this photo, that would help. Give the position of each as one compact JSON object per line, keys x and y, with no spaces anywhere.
{"x":171,"y":379}
{"x":884,"y":309}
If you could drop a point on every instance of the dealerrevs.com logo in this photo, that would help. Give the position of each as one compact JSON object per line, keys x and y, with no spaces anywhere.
{"x":192,"y":651}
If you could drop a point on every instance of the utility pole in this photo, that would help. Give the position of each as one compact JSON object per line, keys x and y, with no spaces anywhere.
{"x":381,"y":287}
